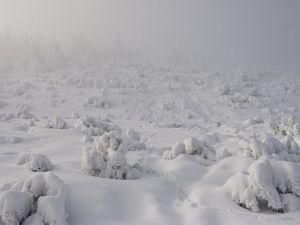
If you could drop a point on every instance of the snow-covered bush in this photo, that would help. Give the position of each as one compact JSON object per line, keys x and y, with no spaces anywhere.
{"x":93,"y":162}
{"x":91,"y":126}
{"x":23,"y":111}
{"x":57,"y":123}
{"x":265,"y":185}
{"x":107,"y":158}
{"x":35,"y":162}
{"x":191,"y":146}
{"x":253,"y":121}
{"x":284,"y":125}
{"x":97,"y":102}
{"x":288,"y":149}
{"x":40,"y":199}
{"x":133,"y":141}
{"x":15,"y":206}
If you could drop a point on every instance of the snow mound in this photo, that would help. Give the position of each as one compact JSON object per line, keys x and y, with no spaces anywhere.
{"x":266,"y":186}
{"x":15,"y":206}
{"x":57,"y":123}
{"x":191,"y":146}
{"x":11,"y":140}
{"x":39,"y":200}
{"x":35,"y":162}
{"x":107,"y":158}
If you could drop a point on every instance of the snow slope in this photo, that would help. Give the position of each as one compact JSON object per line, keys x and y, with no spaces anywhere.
{"x":247,"y":118}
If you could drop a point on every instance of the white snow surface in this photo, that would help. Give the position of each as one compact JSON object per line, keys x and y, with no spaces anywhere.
{"x":196,"y":146}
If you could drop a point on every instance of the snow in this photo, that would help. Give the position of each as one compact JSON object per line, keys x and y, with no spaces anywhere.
{"x":39,"y":200}
{"x":35,"y":162}
{"x":175,"y":145}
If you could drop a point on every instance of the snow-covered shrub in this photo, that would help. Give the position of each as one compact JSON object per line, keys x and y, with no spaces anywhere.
{"x":222,"y":154}
{"x":288,"y":149}
{"x":87,"y":139}
{"x":50,"y":193}
{"x":35,"y":162}
{"x":97,"y":102}
{"x":40,"y":199}
{"x":191,"y":146}
{"x":93,"y":162}
{"x":265,"y":185}
{"x":133,"y":141}
{"x":91,"y":126}
{"x":15,"y":206}
{"x":253,"y":121}
{"x":107,"y":158}
{"x":284,"y":125}
{"x":23,"y":111}
{"x":57,"y":123}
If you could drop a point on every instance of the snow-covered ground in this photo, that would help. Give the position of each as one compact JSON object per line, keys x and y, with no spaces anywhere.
{"x":143,"y":144}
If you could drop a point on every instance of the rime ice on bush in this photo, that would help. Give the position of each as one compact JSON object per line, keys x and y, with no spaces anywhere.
{"x":97,"y":102}
{"x":40,"y":199}
{"x":35,"y":162}
{"x":107,"y":157}
{"x":15,"y":206}
{"x":57,"y":123}
{"x":191,"y":146}
{"x":288,"y":149}
{"x":265,"y":185}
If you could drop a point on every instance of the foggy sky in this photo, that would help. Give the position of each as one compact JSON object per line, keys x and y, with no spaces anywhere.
{"x":265,"y":33}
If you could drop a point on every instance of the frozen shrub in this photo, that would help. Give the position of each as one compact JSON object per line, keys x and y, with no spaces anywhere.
{"x":87,"y":138}
{"x":93,"y":162}
{"x":15,"y":206}
{"x":23,"y":111}
{"x":253,"y":121}
{"x":97,"y":102}
{"x":177,"y":149}
{"x":191,"y":146}
{"x":50,"y":193}
{"x":222,"y":154}
{"x":288,"y":150}
{"x":265,"y":185}
{"x":40,"y":199}
{"x":35,"y":162}
{"x":116,"y":165}
{"x":133,"y":140}
{"x":284,"y":125}
{"x":57,"y":123}
{"x":107,"y":157}
{"x":91,"y":126}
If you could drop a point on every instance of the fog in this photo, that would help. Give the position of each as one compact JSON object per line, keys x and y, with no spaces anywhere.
{"x":263,"y":33}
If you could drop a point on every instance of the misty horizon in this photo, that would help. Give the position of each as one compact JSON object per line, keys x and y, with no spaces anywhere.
{"x":256,"y":33}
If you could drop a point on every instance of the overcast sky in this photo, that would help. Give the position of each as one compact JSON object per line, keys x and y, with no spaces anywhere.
{"x":245,"y":32}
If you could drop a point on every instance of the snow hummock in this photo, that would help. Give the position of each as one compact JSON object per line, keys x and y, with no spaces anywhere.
{"x":39,"y":200}
{"x":191,"y":146}
{"x":35,"y":162}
